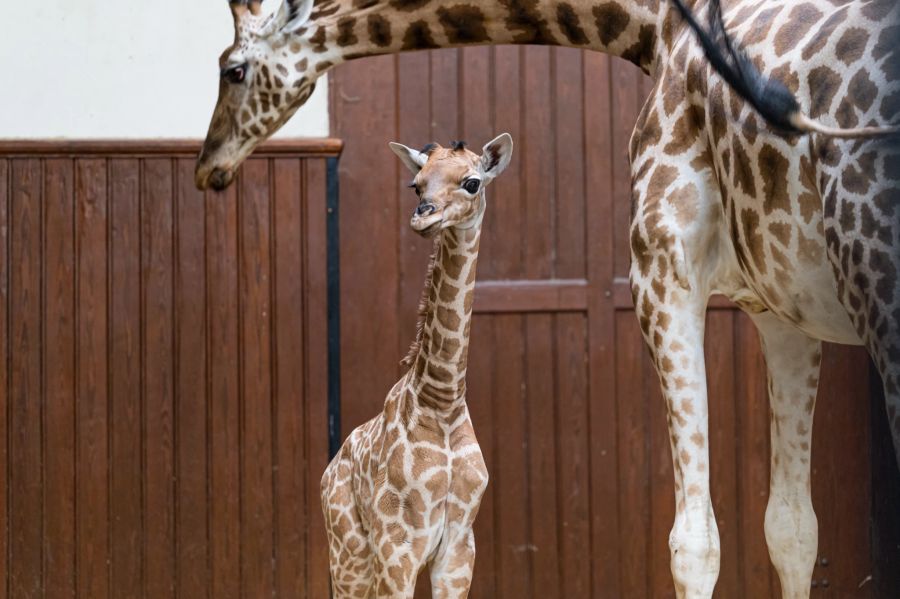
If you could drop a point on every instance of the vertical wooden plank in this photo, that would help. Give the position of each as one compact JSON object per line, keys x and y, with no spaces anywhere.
{"x":92,"y":493}
{"x":158,"y":373}
{"x":5,"y":343}
{"x":573,"y":461}
{"x":842,"y":412}
{"x":538,"y":201}
{"x":191,"y":531}
{"x":59,"y":376}
{"x":445,"y":95}
{"x":569,"y":165}
{"x":315,"y":325}
{"x":293,"y":512}
{"x":723,"y":450}
{"x":634,"y":504}
{"x":25,"y":387}
{"x":256,"y":409}
{"x":754,"y":569}
{"x":222,"y":394}
{"x":367,"y":327}
{"x":602,"y":345}
{"x":506,"y":193}
{"x":543,"y":462}
{"x":513,"y":559}
{"x":126,"y":397}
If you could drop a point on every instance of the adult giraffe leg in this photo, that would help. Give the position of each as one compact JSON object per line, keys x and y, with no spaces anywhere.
{"x":792,"y":532}
{"x":674,"y":333}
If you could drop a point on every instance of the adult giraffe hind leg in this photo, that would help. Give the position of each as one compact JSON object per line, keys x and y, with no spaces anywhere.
{"x":862,"y":233}
{"x":792,"y":533}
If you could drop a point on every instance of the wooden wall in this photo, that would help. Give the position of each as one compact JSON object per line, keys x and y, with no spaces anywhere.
{"x":565,"y":400}
{"x":163,"y":366}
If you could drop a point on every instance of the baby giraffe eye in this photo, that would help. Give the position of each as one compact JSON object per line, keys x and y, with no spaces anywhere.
{"x":471,"y":185}
{"x":235,"y":74}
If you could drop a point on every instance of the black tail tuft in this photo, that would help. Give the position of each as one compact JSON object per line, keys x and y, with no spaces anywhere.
{"x":774,"y":102}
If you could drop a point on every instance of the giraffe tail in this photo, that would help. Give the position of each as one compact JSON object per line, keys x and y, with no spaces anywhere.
{"x":771,"y":99}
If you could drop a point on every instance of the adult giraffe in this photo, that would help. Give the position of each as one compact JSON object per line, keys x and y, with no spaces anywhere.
{"x":802,"y":232}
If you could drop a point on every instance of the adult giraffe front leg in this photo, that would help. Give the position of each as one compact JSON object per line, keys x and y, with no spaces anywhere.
{"x":675,"y":237}
{"x":674,"y":331}
{"x":792,"y":533}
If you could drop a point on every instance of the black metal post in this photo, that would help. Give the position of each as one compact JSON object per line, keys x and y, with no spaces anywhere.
{"x":334,"y":308}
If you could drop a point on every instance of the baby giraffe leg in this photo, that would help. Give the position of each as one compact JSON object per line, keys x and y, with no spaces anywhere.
{"x":396,"y":570}
{"x":792,"y":532}
{"x":451,"y":570}
{"x":350,"y":553}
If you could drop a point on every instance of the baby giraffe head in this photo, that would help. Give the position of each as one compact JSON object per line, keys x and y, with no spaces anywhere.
{"x":264,"y":77}
{"x":450,"y":182}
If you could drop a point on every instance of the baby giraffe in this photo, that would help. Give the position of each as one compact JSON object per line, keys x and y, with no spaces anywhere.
{"x":404,"y":490}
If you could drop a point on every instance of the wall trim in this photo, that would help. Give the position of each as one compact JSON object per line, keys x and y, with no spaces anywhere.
{"x":311,"y":147}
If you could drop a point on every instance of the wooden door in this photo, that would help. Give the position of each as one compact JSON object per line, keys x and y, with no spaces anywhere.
{"x":565,"y":400}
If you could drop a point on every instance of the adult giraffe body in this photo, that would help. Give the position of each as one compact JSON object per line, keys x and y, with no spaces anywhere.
{"x":801,"y":231}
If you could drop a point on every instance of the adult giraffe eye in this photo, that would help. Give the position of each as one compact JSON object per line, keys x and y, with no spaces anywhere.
{"x":472,"y":185}
{"x":235,"y":74}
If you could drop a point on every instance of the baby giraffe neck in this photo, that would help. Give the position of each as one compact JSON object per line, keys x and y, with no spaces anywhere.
{"x":439,"y":366}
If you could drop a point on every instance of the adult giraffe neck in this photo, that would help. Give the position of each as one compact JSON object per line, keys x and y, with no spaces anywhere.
{"x":341,"y":30}
{"x":439,"y":367}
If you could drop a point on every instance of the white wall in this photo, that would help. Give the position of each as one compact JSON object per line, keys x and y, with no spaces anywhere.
{"x":133,"y":69}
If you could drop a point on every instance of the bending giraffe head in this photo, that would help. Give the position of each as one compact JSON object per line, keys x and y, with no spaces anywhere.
{"x":450,"y":182}
{"x":265,"y":76}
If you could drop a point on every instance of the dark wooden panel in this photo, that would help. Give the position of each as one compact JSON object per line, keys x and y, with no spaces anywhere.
{"x":288,"y":378}
{"x":25,"y":392}
{"x":92,"y":492}
{"x":255,"y":345}
{"x":126,"y":394}
{"x":5,"y":340}
{"x":191,"y":400}
{"x":556,"y":295}
{"x":315,"y":340}
{"x":59,"y":375}
{"x":224,"y":439}
{"x":165,"y":410}
{"x":758,"y":578}
{"x":158,"y":375}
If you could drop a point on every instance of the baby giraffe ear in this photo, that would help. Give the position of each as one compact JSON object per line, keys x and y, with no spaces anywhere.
{"x":413,"y":159}
{"x":496,"y":155}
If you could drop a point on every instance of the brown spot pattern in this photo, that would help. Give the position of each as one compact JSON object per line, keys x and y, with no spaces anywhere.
{"x":852,"y":44}
{"x":418,"y":37}
{"x":569,"y":24}
{"x":379,"y":29}
{"x":823,"y":85}
{"x":611,"y":20}
{"x":799,"y":22}
{"x":463,"y":24}
{"x":773,"y":168}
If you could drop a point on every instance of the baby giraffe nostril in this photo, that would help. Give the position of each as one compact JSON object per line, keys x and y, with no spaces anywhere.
{"x":425,"y":209}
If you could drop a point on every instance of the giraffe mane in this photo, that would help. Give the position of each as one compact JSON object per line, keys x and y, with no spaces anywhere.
{"x":424,"y":304}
